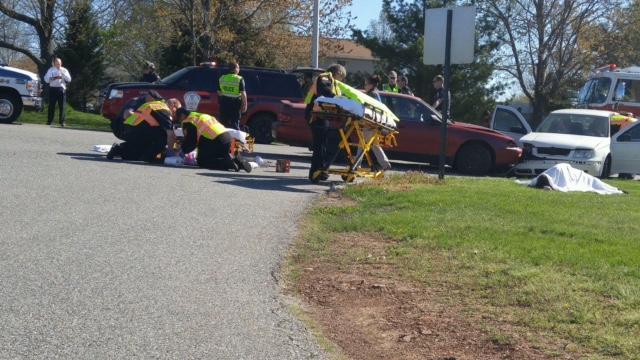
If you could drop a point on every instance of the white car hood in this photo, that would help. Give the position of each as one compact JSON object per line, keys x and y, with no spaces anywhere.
{"x":565,"y":141}
{"x":23,"y":72}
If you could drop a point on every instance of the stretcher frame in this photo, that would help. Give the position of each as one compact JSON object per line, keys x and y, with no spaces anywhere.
{"x":352,"y":127}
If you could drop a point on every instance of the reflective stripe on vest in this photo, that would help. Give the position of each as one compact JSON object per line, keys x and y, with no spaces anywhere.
{"x":143,"y":113}
{"x":388,"y":88}
{"x":313,"y":90}
{"x":230,"y":85}
{"x":206,"y":125}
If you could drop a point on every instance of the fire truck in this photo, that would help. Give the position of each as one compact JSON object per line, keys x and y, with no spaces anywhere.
{"x":611,"y":88}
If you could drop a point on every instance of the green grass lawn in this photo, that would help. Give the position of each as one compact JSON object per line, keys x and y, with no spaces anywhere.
{"x":74,"y":119}
{"x":563,"y":265}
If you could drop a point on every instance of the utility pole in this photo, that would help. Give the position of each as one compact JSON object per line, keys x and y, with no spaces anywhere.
{"x":315,"y":36}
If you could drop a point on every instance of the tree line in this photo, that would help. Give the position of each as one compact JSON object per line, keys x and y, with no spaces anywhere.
{"x":545,"y":47}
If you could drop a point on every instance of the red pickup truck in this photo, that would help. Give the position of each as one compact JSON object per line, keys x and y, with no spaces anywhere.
{"x":196,"y":87}
{"x":471,"y":149}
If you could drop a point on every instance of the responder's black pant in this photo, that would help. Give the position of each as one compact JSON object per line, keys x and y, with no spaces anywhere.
{"x":56,"y":95}
{"x":320,"y":133}
{"x":230,"y":111}
{"x":216,"y":154}
{"x":143,"y":142}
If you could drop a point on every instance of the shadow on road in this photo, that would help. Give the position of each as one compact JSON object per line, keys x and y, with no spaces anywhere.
{"x":262,"y":182}
{"x":102,"y":158}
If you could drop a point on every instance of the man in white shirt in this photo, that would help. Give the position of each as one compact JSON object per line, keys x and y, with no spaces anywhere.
{"x":57,"y":77}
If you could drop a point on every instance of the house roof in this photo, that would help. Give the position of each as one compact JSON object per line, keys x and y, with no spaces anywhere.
{"x":347,"y":49}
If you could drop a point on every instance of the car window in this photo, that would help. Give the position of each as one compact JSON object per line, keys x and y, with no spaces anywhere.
{"x":575,"y":124}
{"x":278,"y":85}
{"x":628,"y":90}
{"x":599,"y":90}
{"x":173,"y":78}
{"x":505,"y":120}
{"x":631,"y":135}
{"x":251,"y":82}
{"x":406,"y":109}
{"x":199,"y":79}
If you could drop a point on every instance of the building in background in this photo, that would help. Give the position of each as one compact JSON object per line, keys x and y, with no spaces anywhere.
{"x":355,"y":57}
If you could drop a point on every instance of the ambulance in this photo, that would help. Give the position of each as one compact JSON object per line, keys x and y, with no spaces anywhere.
{"x":613,"y":89}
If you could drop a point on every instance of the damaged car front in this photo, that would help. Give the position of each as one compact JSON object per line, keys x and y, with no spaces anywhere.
{"x":577,"y":137}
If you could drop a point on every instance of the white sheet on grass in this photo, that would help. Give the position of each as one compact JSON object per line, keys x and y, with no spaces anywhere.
{"x":564,"y":178}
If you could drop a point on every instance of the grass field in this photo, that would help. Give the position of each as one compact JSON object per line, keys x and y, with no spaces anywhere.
{"x":554,"y":265}
{"x":74,"y":119}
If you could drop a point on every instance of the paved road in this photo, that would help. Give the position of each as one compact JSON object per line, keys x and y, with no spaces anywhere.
{"x":121,"y":260}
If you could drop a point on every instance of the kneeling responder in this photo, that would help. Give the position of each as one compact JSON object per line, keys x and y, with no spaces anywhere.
{"x":146,"y":132}
{"x":325,"y":85}
{"x":212,"y":140}
{"x":117,"y":124}
{"x":232,"y":97}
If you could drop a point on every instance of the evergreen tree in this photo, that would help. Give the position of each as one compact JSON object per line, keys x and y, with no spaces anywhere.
{"x":82,"y":54}
{"x":401,"y":50}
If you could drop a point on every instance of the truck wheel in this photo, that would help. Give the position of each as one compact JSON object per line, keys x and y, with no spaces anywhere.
{"x":474,"y":159}
{"x":260,"y":128}
{"x":10,"y":108}
{"x":606,"y":168}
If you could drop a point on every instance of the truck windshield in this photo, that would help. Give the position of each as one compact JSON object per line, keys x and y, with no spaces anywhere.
{"x":595,"y":91}
{"x":575,"y":124}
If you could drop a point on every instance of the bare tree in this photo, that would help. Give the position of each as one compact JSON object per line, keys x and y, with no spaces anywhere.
{"x":540,"y":42}
{"x":40,"y":17}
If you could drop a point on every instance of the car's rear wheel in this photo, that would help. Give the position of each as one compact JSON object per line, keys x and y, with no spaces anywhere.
{"x":10,"y":107}
{"x":606,"y":168}
{"x":260,"y":128}
{"x":474,"y":159}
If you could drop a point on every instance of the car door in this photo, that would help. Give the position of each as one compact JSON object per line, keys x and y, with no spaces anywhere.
{"x":625,"y":150}
{"x":510,"y":122}
{"x":417,"y":131}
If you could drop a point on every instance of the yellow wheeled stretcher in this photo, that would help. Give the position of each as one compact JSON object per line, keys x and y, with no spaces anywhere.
{"x":362,"y":123}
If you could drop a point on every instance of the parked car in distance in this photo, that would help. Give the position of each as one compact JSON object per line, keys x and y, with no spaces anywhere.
{"x":578,"y":137}
{"x":471,"y":149}
{"x":625,"y":151}
{"x":196,"y":87}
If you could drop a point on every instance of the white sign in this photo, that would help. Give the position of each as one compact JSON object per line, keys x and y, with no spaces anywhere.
{"x":463,"y":34}
{"x":191,"y":100}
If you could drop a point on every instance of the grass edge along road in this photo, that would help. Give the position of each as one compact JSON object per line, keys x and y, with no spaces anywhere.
{"x":558,"y":271}
{"x":74,"y":119}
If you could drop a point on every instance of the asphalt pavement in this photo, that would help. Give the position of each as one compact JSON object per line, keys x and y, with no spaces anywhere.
{"x":115,"y":260}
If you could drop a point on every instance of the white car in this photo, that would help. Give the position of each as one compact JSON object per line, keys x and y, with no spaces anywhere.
{"x":625,"y":151}
{"x":578,"y":137}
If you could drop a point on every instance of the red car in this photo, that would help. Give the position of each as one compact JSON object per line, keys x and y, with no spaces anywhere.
{"x":196,"y":87}
{"x":471,"y":149}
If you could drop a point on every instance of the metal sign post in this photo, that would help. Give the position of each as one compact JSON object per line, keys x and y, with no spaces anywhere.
{"x":442,"y":46}
{"x":446,"y":105}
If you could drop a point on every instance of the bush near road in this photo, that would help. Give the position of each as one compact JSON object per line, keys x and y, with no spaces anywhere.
{"x":559,"y":273}
{"x":74,"y":119}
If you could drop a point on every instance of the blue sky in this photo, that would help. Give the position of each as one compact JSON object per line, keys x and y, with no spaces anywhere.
{"x":365,"y":10}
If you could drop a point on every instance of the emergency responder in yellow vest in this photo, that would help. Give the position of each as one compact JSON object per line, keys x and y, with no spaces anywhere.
{"x":392,"y":86}
{"x":325,"y":85}
{"x":212,"y":140}
{"x":232,"y":97}
{"x":146,"y":132}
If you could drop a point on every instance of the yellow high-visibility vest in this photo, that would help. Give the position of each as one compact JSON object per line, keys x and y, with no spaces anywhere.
{"x":207,"y":125}
{"x":143,"y":113}
{"x":230,"y":85}
{"x":313,"y":90}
